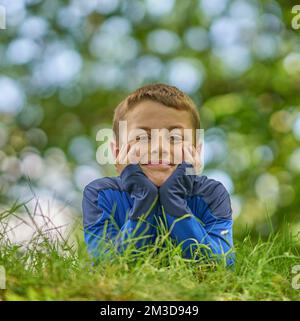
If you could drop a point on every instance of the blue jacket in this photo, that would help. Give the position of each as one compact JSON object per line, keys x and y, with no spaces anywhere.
{"x":194,"y":209}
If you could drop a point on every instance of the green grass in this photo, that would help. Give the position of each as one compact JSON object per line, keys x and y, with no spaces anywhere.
{"x":60,"y":269}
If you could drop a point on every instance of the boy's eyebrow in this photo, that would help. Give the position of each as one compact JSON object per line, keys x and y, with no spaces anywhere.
{"x":175,"y":127}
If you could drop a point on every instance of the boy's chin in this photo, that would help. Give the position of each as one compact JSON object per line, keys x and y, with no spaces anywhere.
{"x":158,"y":175}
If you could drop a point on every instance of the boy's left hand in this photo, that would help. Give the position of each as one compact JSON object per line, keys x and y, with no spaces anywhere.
{"x":181,"y":182}
{"x":191,"y":155}
{"x":176,"y":189}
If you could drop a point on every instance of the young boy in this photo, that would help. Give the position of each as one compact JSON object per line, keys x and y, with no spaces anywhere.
{"x":195,"y":209}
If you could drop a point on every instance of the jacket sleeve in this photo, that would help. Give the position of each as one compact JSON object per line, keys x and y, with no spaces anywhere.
{"x":212,"y":235}
{"x":139,"y":226}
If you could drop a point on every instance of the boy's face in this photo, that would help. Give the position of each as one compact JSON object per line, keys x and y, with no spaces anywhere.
{"x":159,"y":150}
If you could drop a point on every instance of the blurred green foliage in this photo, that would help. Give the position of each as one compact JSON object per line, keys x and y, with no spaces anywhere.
{"x":65,"y":65}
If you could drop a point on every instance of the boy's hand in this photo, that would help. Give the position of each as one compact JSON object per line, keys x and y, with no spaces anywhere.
{"x":128,"y":165}
{"x":192,"y":156}
{"x":129,"y":154}
{"x":176,"y":189}
{"x":174,"y":192}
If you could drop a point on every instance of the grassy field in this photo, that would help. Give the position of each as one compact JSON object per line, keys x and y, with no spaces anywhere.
{"x":60,"y":269}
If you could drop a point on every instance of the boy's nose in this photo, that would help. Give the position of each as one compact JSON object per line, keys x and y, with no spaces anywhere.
{"x":160,"y":150}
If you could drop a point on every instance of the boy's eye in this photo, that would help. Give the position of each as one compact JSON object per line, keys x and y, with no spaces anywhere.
{"x":143,"y":138}
{"x":176,"y":138}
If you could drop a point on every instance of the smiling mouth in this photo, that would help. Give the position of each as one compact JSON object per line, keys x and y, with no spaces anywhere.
{"x":160,"y":164}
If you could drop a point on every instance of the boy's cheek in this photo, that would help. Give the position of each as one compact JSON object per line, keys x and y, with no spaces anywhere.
{"x":145,"y":158}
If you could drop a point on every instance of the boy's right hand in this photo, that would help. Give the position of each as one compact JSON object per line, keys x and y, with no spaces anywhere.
{"x":129,"y":154}
{"x":135,"y":182}
{"x":128,"y":165}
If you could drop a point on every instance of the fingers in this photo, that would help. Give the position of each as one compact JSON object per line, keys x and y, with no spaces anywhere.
{"x":187,"y":154}
{"x":197,"y":164}
{"x":129,"y":154}
{"x":121,"y":159}
{"x":192,"y":156}
{"x":133,"y":155}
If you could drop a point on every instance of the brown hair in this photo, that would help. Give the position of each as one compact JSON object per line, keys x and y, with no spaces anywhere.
{"x":167,"y":95}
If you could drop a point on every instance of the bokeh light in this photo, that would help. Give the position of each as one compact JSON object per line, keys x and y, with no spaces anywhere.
{"x":66,"y":65}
